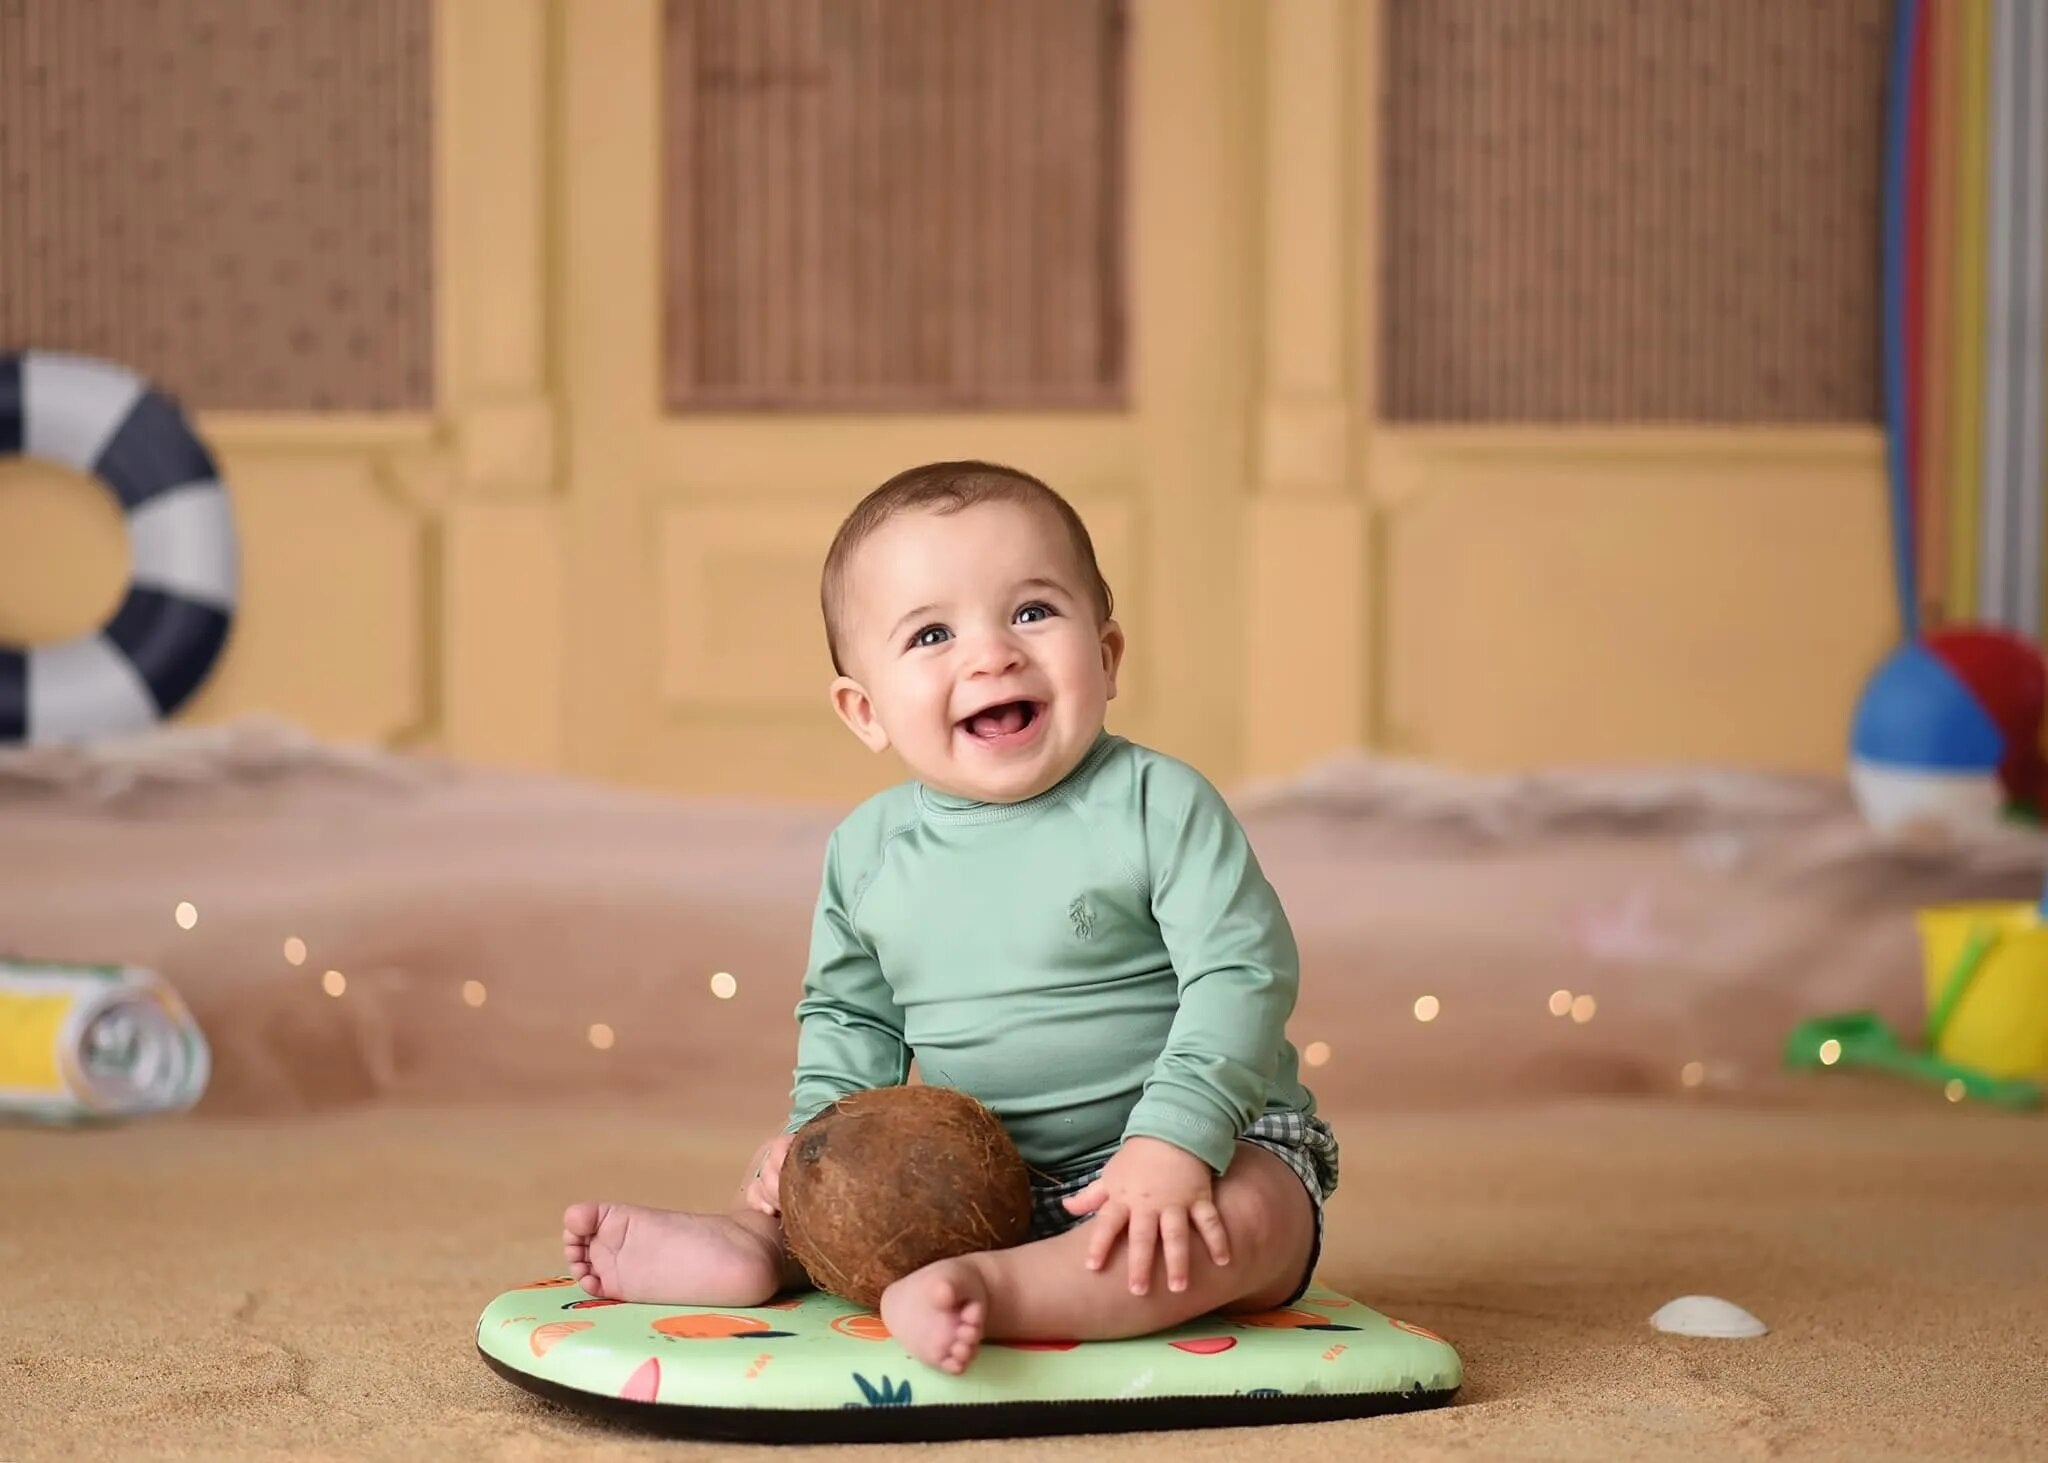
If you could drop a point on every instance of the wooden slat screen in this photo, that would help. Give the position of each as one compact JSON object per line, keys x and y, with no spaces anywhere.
{"x":906,"y":204}
{"x":1632,"y":210}
{"x":229,"y":196}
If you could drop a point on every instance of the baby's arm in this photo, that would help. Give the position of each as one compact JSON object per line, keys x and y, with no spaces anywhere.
{"x":1235,"y":959}
{"x":763,"y":1189}
{"x":849,"y":1030}
{"x":1238,"y":968}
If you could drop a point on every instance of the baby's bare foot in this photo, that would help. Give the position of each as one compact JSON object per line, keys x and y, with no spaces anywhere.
{"x":626,"y":1252}
{"x":938,"y":1313}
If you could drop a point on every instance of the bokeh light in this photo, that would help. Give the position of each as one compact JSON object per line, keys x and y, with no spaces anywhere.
{"x":334,"y":982}
{"x":723,"y":985}
{"x":601,"y":1037}
{"x":186,"y":914}
{"x":473,"y":993}
{"x":295,"y":951}
{"x":1426,"y":1008}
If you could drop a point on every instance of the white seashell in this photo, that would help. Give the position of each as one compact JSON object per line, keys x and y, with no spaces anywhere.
{"x":1706,"y":1315}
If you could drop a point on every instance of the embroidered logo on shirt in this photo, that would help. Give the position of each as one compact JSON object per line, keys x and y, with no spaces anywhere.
{"x":1083,"y":917}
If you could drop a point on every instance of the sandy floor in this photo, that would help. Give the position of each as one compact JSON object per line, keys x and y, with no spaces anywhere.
{"x":1706,"y":913}
{"x":296,"y":1271}
{"x":307,"y":1287}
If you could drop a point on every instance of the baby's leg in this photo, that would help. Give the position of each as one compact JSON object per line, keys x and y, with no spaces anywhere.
{"x":1045,"y":1292}
{"x":664,"y":1256}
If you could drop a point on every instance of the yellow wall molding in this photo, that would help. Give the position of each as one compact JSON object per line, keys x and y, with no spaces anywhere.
{"x":494,"y":124}
{"x":317,"y":431}
{"x":1631,"y":595}
{"x":800,"y":457}
{"x":506,"y":448}
{"x":501,"y":623}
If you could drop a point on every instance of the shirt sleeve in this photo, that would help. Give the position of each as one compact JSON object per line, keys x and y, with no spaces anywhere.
{"x":1238,"y":969}
{"x":849,"y":1030}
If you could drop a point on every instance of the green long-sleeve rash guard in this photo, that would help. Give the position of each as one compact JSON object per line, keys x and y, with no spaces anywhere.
{"x":1103,"y":961}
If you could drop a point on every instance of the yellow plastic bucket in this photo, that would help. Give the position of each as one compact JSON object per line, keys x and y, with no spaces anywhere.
{"x":2000,"y":1026}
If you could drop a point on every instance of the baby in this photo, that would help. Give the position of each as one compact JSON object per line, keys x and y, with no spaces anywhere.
{"x":1066,"y":926}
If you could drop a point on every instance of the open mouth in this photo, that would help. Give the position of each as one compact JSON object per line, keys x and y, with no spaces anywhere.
{"x":1002,"y":722}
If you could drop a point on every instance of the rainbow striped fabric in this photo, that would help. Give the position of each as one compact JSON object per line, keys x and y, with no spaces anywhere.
{"x":1966,"y":335}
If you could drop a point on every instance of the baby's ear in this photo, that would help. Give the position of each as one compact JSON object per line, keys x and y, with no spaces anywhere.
{"x":857,"y":709}
{"x":1112,"y":652}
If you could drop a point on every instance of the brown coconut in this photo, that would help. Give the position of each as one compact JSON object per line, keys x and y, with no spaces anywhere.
{"x":887,"y":1181}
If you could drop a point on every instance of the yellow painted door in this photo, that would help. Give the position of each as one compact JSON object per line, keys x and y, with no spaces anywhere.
{"x":692,"y":654}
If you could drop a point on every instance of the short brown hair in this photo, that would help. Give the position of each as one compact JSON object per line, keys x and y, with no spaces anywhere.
{"x":947,"y":487}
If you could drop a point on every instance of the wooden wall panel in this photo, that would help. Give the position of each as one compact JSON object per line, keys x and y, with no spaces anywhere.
{"x":892,"y":204}
{"x":1631,"y":210}
{"x":231,"y":196}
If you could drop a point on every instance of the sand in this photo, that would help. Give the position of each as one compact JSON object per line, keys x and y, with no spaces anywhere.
{"x":308,"y":1288}
{"x":295,"y":1270}
{"x":1704,"y":913}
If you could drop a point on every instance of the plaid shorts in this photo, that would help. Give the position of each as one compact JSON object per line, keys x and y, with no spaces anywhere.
{"x":1304,"y":1143}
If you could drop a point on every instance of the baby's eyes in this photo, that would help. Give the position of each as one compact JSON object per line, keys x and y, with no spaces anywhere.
{"x":1030,"y":614}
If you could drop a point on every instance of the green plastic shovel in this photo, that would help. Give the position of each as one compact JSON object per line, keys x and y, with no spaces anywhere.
{"x":1862,"y":1040}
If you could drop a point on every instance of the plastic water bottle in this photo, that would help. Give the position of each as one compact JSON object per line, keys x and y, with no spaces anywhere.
{"x":80,"y":1043}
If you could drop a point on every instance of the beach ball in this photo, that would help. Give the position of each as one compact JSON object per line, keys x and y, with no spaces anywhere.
{"x":1948,"y":731}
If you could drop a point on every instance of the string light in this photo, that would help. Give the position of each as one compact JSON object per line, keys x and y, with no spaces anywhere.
{"x":186,"y":914}
{"x":1955,"y":1091}
{"x":725,"y":986}
{"x":1830,"y":1052}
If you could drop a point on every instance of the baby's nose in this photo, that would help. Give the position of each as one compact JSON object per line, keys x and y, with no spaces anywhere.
{"x":994,"y":654}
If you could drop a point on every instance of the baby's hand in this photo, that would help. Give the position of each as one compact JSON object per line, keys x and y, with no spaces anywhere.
{"x":764,"y":1187}
{"x":1156,"y":1191}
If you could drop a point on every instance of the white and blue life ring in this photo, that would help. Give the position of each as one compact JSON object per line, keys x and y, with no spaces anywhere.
{"x":101,"y":419}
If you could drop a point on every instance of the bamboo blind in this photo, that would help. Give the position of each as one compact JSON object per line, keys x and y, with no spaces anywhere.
{"x":893,"y":203}
{"x":1632,"y":210}
{"x":229,"y":196}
